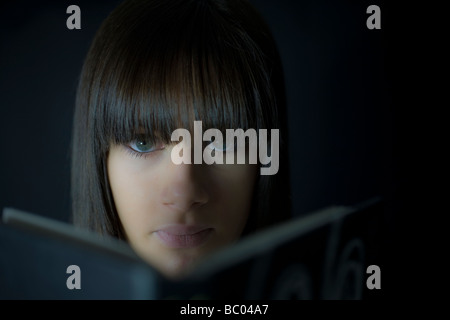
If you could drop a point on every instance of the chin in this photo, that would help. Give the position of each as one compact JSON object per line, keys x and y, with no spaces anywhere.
{"x":179,"y":266}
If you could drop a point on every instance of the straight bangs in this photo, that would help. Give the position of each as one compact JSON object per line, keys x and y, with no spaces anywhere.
{"x":160,"y":74}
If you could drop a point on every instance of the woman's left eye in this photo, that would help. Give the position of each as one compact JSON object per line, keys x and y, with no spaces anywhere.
{"x":142,"y":146}
{"x":222,"y":147}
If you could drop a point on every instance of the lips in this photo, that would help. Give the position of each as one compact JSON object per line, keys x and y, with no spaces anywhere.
{"x":183,"y":236}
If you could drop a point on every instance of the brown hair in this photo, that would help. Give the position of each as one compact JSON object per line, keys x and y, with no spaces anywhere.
{"x":160,"y":65}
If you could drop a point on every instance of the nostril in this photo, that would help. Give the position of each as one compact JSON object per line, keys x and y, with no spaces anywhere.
{"x":196,"y":205}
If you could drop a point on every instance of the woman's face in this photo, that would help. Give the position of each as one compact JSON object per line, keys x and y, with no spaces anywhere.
{"x":173,"y":215}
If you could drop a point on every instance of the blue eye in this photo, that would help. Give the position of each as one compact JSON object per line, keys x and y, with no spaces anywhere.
{"x":142,"y":146}
{"x":222,"y":147}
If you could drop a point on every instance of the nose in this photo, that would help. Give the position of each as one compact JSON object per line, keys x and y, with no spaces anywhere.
{"x":184,"y":189}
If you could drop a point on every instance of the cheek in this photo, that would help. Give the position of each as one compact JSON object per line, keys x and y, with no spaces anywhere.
{"x":236,"y":185}
{"x":233,"y":196}
{"x":133,"y":189}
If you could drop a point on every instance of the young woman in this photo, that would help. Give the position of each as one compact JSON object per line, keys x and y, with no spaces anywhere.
{"x":153,"y":67}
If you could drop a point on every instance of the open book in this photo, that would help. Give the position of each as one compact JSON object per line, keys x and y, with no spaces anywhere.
{"x":322,"y":255}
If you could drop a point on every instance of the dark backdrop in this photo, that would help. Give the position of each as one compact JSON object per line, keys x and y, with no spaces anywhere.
{"x":342,"y":119}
